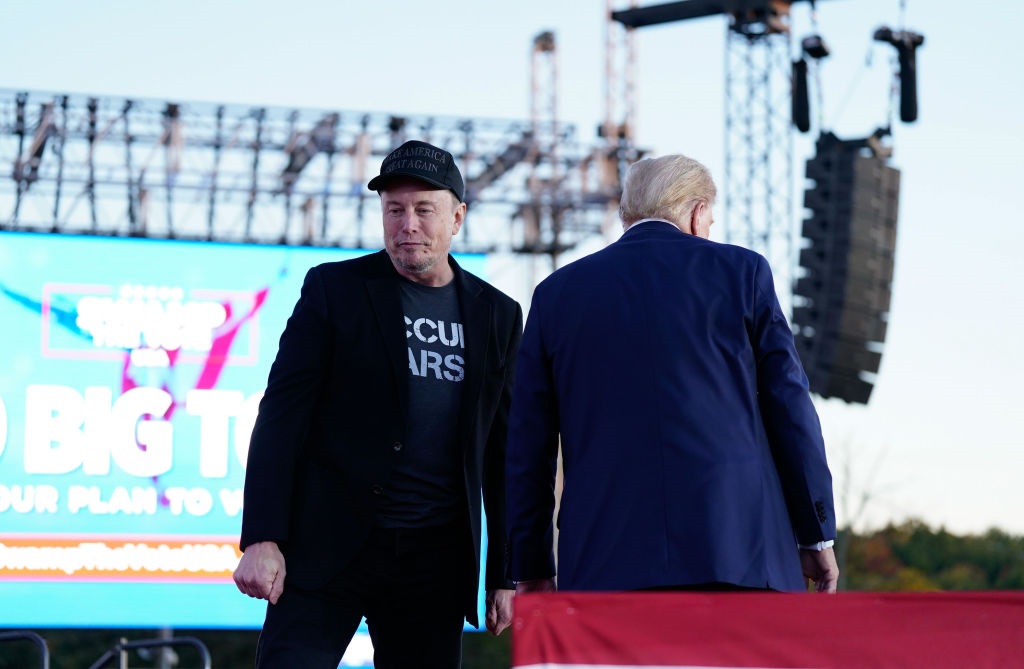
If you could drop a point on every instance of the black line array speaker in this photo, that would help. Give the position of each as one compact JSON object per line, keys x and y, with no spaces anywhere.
{"x":842,"y":300}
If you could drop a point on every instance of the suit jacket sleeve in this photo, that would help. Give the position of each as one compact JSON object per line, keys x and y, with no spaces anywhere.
{"x":532,"y":455}
{"x":789,"y":417}
{"x":285,"y":414}
{"x":494,"y":491}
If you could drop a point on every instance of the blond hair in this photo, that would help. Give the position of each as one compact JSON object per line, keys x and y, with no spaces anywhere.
{"x":668,"y":187}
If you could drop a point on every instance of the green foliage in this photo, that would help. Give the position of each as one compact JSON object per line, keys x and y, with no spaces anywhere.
{"x":912,"y":556}
{"x":482,"y":650}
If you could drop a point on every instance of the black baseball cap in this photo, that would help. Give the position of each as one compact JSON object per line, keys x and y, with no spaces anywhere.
{"x":419,"y":160}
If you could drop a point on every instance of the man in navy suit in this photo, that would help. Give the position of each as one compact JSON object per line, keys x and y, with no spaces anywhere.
{"x":692,"y":454}
{"x":382,"y":427}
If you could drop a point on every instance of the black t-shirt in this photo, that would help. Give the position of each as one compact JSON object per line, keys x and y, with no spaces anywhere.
{"x":426,"y":483}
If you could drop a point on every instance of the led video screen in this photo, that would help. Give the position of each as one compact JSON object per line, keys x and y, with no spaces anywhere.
{"x":130,"y":375}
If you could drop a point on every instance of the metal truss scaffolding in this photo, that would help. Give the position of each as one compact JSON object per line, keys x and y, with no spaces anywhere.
{"x":759,"y":140}
{"x":110,"y":166}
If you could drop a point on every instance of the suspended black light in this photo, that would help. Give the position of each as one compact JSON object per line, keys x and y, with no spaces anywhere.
{"x":906,"y":43}
{"x":813,"y":47}
{"x":801,"y":105}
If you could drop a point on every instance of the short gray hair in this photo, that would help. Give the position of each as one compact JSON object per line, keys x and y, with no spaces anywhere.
{"x":668,"y":187}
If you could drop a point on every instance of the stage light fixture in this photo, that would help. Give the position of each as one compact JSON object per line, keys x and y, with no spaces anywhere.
{"x":814,"y":46}
{"x":396,"y":123}
{"x":303,"y":147}
{"x":906,"y":44}
{"x":801,"y":107}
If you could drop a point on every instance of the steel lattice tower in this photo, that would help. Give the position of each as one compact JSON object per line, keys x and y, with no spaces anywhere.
{"x":759,"y":143}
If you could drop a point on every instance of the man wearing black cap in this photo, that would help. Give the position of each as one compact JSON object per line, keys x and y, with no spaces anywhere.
{"x":381,"y":430}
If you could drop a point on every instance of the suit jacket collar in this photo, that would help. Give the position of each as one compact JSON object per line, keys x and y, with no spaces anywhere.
{"x":652,"y":228}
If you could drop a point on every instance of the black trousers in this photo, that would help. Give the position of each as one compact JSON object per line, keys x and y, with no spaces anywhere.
{"x":408,"y":583}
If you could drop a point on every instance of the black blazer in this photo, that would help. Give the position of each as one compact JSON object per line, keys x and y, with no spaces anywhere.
{"x":333,"y":420}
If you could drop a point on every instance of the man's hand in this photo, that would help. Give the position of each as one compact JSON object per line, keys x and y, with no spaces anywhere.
{"x":499,"y":610}
{"x":820,"y":567}
{"x":538,"y":585}
{"x":260,"y":572}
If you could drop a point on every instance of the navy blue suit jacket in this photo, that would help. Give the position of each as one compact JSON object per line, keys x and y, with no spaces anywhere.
{"x":691,"y":450}
{"x":333,"y":420}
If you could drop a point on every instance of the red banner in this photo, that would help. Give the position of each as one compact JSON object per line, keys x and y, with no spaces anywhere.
{"x":844,"y":631}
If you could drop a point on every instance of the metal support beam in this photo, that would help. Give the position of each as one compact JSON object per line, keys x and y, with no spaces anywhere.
{"x":282,"y":176}
{"x":759,"y":150}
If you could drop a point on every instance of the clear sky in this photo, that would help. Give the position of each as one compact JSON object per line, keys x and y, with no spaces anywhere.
{"x":941,"y":439}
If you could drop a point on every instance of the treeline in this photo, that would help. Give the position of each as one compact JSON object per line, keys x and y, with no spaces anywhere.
{"x":912,"y":556}
{"x":908,"y":556}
